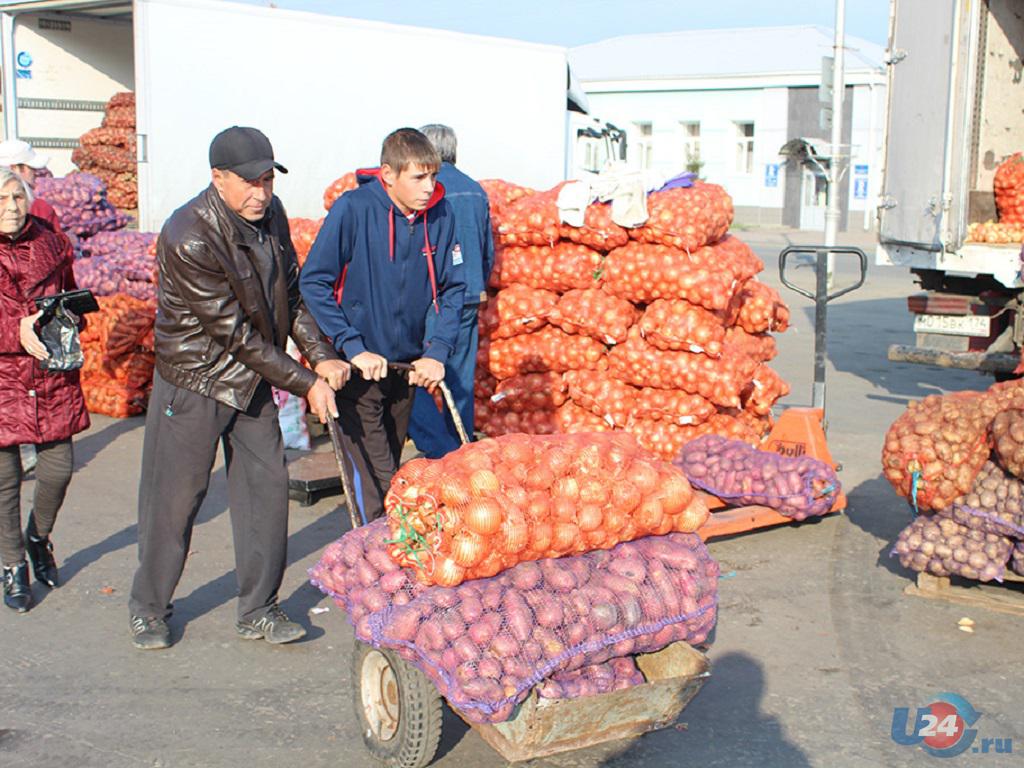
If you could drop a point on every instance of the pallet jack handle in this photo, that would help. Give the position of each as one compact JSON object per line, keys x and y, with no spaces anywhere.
{"x":821,"y":297}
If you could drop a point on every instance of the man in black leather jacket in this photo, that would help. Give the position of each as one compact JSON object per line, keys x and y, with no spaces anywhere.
{"x":228,"y":301}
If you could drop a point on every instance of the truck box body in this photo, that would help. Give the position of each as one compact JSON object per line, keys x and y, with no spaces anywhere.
{"x":955,"y":100}
{"x":324,"y":88}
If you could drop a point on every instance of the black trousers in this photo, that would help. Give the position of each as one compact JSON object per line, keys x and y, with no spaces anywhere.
{"x":374,"y":420}
{"x":53,"y":474}
{"x":182,"y":432}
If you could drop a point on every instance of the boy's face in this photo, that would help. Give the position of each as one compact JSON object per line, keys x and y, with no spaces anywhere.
{"x":411,"y":189}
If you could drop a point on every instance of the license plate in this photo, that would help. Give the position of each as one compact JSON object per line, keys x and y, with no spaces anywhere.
{"x":954,"y":325}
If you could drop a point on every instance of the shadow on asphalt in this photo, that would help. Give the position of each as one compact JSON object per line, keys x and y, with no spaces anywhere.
{"x":88,"y":447}
{"x":706,"y":735}
{"x":878,"y":511}
{"x":860,"y":333}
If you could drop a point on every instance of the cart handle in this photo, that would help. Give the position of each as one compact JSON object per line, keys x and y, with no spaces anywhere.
{"x":821,"y":251}
{"x":446,"y":395}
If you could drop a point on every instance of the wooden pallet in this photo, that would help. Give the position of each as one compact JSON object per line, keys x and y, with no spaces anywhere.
{"x":1007,"y":597}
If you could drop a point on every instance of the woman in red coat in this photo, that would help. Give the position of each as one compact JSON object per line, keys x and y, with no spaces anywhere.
{"x":43,"y":408}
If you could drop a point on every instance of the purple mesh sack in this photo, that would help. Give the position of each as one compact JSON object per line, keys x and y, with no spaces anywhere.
{"x":734,"y":471}
{"x":939,"y":545}
{"x":118,"y":262}
{"x":486,"y":643}
{"x":995,"y":503}
{"x":80,"y":200}
{"x":1017,"y":558}
{"x":614,"y":675}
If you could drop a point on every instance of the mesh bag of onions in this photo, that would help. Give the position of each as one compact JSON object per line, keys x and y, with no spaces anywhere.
{"x":494,"y":503}
{"x":486,"y":643}
{"x":797,"y":487}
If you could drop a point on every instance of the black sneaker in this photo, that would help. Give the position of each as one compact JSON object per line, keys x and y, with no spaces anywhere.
{"x":274,"y":627}
{"x":149,"y":633}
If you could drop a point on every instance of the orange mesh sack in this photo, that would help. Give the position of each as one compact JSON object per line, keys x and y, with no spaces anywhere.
{"x":675,"y":325}
{"x":760,"y":346}
{"x":530,"y":392}
{"x":934,"y":451}
{"x":719,"y":380}
{"x":494,"y":422}
{"x":594,"y":313}
{"x":672,"y":405}
{"x":345,"y":183}
{"x":644,"y":272}
{"x":303,"y":232}
{"x":560,"y":268}
{"x":1009,"y":190}
{"x":1008,"y":438}
{"x":686,"y":217}
{"x":761,"y":308}
{"x":602,"y":395}
{"x":598,"y":231}
{"x":572,"y":419}
{"x":764,"y":390}
{"x":492,"y":504}
{"x":531,"y":220}
{"x":549,"y":349}
{"x":515,"y":310}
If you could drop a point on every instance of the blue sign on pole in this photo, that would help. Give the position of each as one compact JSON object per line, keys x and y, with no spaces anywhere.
{"x":860,"y":170}
{"x":860,"y":188}
{"x":771,"y":175}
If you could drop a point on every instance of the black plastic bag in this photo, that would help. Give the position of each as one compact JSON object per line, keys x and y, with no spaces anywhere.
{"x":58,"y":330}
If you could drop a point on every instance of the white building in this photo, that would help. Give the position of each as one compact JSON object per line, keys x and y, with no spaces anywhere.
{"x":729,"y":99}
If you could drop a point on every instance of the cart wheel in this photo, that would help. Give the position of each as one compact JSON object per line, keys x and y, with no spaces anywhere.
{"x":399,"y":709}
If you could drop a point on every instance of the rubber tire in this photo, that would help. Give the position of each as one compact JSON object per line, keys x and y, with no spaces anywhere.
{"x":419,"y":725}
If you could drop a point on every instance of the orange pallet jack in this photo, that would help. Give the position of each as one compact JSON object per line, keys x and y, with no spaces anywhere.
{"x":798,"y":431}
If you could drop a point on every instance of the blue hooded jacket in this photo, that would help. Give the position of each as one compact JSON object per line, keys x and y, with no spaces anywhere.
{"x":369,"y":282}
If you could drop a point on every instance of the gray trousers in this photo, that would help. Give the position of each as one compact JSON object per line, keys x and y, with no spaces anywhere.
{"x":180,"y":444}
{"x":53,"y":474}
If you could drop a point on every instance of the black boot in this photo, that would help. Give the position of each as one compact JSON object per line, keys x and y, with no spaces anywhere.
{"x":17,"y":595}
{"x":40,"y":552}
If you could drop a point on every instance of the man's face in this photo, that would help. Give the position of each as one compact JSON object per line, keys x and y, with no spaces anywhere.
{"x":249,"y":198}
{"x":411,"y":189}
{"x":27,"y":173}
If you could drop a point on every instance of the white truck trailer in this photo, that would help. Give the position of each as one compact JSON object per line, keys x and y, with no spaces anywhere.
{"x":956,"y":109}
{"x":324,"y":88}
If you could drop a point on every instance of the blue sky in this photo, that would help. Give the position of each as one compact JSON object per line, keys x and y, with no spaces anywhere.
{"x":575,"y":22}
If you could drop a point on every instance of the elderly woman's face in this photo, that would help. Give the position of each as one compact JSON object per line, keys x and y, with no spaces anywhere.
{"x":13,"y":208}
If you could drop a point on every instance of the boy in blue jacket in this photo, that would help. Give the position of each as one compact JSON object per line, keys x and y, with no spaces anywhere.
{"x":386,"y":255}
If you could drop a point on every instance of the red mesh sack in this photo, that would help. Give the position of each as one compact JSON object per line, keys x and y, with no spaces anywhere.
{"x":598,"y":231}
{"x":530,"y":392}
{"x":675,"y":406}
{"x":303,"y":232}
{"x":338,"y":187}
{"x":501,"y":193}
{"x":486,"y":643}
{"x":719,"y":380}
{"x":571,"y":419}
{"x":933,"y":452}
{"x":562,"y":268}
{"x":494,"y":423}
{"x":494,"y":503}
{"x":764,"y":390}
{"x":676,"y":325}
{"x":594,"y":313}
{"x":796,"y":487}
{"x":549,"y":349}
{"x":761,"y":308}
{"x":515,"y":310}
{"x":760,"y":346}
{"x":530,"y":220}
{"x":686,"y":217}
{"x":602,"y":395}
{"x":644,"y":272}
{"x":1008,"y":185}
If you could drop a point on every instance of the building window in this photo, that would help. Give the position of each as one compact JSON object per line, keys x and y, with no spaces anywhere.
{"x":691,"y":145}
{"x":645,"y":144}
{"x":745,"y":147}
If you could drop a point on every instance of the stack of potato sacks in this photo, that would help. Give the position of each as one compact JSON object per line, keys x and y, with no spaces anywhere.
{"x":959,"y":460}
{"x":663,"y":330}
{"x":304,"y":231}
{"x":109,"y":151}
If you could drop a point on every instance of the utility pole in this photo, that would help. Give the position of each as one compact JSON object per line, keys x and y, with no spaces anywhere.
{"x":832,"y":212}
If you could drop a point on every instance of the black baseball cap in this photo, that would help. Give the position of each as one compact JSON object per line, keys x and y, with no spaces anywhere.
{"x":245,"y":151}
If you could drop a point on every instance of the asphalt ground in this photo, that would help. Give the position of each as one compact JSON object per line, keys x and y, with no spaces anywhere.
{"x":816,"y":644}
